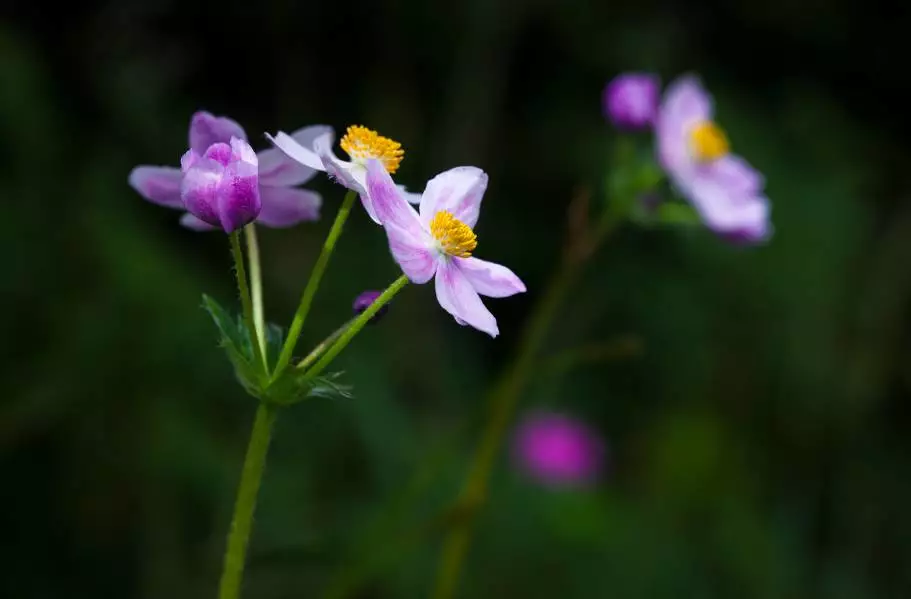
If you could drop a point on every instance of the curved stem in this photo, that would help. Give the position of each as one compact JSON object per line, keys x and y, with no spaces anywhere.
{"x":245,"y":505}
{"x":245,"y":300}
{"x":502,"y":401}
{"x":356,"y":325}
{"x":256,"y":287}
{"x":313,"y":284}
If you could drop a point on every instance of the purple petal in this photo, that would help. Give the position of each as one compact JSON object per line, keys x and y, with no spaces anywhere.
{"x":736,"y":174}
{"x":348,"y":174}
{"x":458,"y":297}
{"x":221,"y":153}
{"x":631,"y":100}
{"x":158,"y":184}
{"x":191,"y":222}
{"x":240,"y":201}
{"x":199,"y":189}
{"x":207,"y":129}
{"x":727,"y":210}
{"x":459,"y":191}
{"x":301,"y":149}
{"x":285,"y":206}
{"x":411,"y":198}
{"x":490,"y":279}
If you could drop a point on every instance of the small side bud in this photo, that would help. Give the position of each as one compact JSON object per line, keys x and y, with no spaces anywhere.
{"x":631,"y":100}
{"x":364,"y":300}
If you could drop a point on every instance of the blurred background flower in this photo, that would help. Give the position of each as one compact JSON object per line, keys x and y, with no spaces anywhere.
{"x":558,"y":450}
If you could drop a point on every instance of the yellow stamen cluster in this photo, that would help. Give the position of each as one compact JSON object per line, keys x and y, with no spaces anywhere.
{"x":708,"y":141}
{"x":455,"y":237}
{"x":362,"y":143}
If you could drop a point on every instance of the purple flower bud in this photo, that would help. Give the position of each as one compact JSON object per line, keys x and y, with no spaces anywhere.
{"x":221,"y":187}
{"x":631,"y":100}
{"x":557,"y":450}
{"x":363,"y":301}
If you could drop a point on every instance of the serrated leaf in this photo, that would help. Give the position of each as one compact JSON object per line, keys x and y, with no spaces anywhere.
{"x":328,"y":387}
{"x":294,"y":386}
{"x":235,"y":340}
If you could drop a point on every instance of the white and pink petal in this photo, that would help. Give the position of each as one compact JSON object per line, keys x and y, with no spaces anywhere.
{"x":490,"y":279}
{"x":457,"y":296}
{"x":458,"y":191}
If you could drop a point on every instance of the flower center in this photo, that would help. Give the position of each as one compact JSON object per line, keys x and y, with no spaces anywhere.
{"x":455,"y":237}
{"x":363,"y":144}
{"x":708,"y":141}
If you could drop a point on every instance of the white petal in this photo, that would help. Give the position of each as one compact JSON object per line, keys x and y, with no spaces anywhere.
{"x":490,"y":279}
{"x":304,"y":155}
{"x":459,"y":191}
{"x":458,"y":297}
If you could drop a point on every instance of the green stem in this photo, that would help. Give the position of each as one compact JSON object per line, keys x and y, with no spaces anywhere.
{"x":245,"y":505}
{"x":256,"y":287}
{"x":502,"y":401}
{"x":319,"y":349}
{"x":356,"y":325}
{"x":313,"y":284}
{"x":245,"y":299}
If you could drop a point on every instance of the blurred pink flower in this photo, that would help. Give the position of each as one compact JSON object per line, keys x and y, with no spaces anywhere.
{"x":727,"y":192}
{"x":558,"y":450}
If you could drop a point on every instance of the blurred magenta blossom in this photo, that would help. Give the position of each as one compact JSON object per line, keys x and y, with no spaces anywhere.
{"x":558,"y":450}
{"x":282,"y":205}
{"x":694,"y":151}
{"x":631,"y":100}
{"x":438,"y":241}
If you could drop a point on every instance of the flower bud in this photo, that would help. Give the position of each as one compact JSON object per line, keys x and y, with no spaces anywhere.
{"x":221,"y":186}
{"x":363,"y":301}
{"x":631,"y":100}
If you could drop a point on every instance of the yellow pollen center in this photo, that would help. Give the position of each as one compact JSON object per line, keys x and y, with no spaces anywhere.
{"x":455,"y":237}
{"x":708,"y":141}
{"x":362,"y":143}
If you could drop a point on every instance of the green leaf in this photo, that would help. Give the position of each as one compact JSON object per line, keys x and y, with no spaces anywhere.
{"x":235,"y":340}
{"x":327,"y":386}
{"x":294,"y":386}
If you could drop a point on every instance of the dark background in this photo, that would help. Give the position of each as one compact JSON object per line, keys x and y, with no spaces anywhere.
{"x":758,"y":442}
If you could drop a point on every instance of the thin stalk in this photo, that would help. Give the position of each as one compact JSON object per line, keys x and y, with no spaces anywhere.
{"x":256,"y":287}
{"x":245,"y":505}
{"x":245,"y":299}
{"x":313,"y":284}
{"x":323,"y":345}
{"x":356,"y":325}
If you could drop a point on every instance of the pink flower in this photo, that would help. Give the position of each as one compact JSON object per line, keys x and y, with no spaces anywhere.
{"x":221,"y":187}
{"x":557,"y":450}
{"x":438,"y":241}
{"x":631,"y":100}
{"x":694,"y":151}
{"x":361,"y":144}
{"x":283,"y":205}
